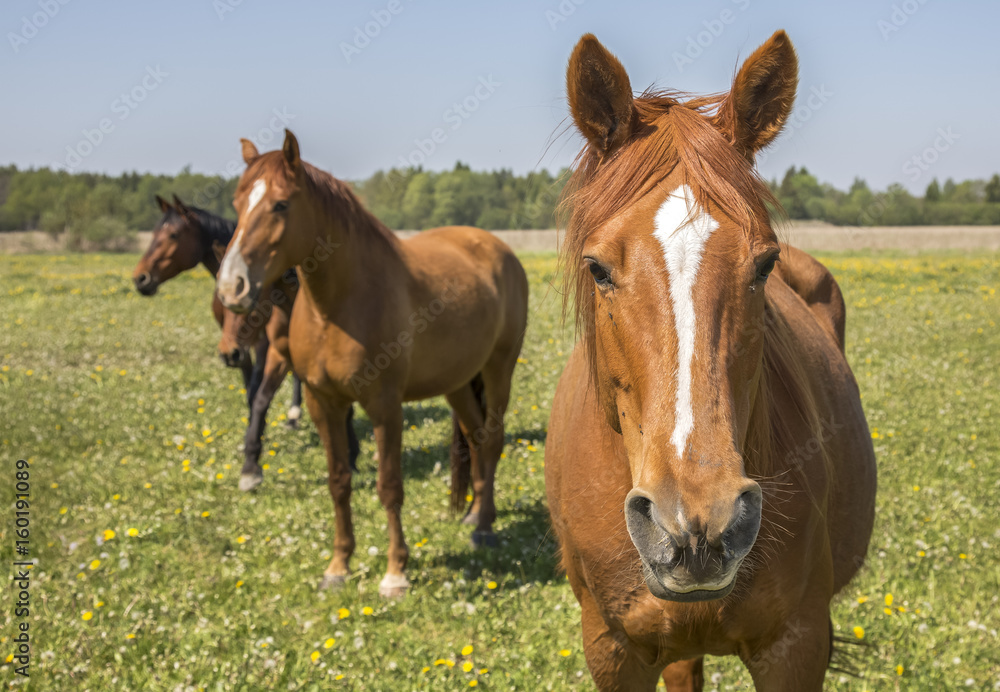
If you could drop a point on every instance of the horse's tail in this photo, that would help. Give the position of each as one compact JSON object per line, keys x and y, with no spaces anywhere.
{"x":461,"y":456}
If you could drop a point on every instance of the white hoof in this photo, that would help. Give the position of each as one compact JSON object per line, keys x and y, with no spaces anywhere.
{"x":250,"y":481}
{"x":393,"y":586}
{"x":294,"y":413}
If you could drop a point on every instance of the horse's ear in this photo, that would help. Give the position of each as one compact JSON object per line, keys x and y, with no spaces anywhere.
{"x":290,"y":149}
{"x":600,"y":95}
{"x":180,"y":206}
{"x":219,"y":249}
{"x":164,"y":204}
{"x":762,"y":96}
{"x":249,"y":151}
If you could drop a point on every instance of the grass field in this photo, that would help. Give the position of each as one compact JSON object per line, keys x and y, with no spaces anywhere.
{"x":155,"y":572}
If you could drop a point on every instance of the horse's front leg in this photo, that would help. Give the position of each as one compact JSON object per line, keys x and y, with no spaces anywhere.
{"x":330,"y":419}
{"x":275,"y":369}
{"x":796,"y":657}
{"x":388,"y":423}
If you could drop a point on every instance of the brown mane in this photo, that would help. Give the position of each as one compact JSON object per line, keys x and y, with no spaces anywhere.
{"x":336,"y":196}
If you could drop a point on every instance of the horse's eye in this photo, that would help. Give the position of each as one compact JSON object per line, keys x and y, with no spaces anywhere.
{"x":765,"y":269}
{"x":173,"y":235}
{"x":599,"y":273}
{"x":280,"y":205}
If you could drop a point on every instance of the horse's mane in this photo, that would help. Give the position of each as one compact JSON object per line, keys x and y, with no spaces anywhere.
{"x":336,"y":197}
{"x":669,"y":132}
{"x":215,"y":229}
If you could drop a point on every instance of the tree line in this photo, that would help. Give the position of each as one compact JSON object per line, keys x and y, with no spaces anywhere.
{"x":97,"y":209}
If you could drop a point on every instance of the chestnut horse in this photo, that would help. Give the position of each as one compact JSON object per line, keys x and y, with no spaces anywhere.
{"x":381,"y":321}
{"x":709,"y":469}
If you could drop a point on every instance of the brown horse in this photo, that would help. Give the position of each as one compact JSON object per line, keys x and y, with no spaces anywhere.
{"x":709,"y":470}
{"x":269,"y":319}
{"x":381,"y":321}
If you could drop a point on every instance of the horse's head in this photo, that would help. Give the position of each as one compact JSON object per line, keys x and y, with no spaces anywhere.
{"x":177,"y":246}
{"x":668,"y":249}
{"x":275,"y":212}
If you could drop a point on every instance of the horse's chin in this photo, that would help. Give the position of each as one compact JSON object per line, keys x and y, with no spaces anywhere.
{"x":696,"y":595}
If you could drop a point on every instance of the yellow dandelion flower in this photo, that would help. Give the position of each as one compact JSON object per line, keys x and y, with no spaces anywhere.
{"x":862,"y":599}
{"x":887,"y":611}
{"x":329,"y":643}
{"x":206,"y":513}
{"x":425,"y":669}
{"x":108,"y":534}
{"x":859,"y":632}
{"x":484,"y":671}
{"x":241,"y":539}
{"x":314,"y":656}
{"x":94,"y":564}
{"x":565,"y":652}
{"x":962,"y":556}
{"x":899,"y":670}
{"x":63,"y":510}
{"x":339,"y":676}
{"x":467,"y":649}
{"x":10,"y":657}
{"x":239,"y":583}
{"x":473,"y":683}
{"x":367,"y":610}
{"x":467,"y":666}
{"x":921,"y":553}
{"x":491,"y":585}
{"x":133,"y":532}
{"x":87,"y":615}
{"x":54,"y":486}
{"x":343,"y":614}
{"x":147,"y":486}
{"x":888,"y":599}
{"x":130,"y":635}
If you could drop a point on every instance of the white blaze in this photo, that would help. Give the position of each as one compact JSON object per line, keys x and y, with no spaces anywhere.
{"x":683,"y":229}
{"x":233,"y":264}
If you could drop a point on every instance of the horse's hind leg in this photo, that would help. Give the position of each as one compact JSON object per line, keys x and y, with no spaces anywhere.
{"x":685,"y":676}
{"x":295,"y":412}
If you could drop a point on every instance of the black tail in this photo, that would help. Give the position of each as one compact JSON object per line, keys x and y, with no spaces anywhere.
{"x":461,"y":457}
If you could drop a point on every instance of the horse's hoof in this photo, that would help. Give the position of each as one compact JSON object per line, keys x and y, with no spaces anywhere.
{"x":393,"y":586}
{"x":250,"y":481}
{"x":471,"y":519}
{"x":333,"y":582}
{"x":484,"y":539}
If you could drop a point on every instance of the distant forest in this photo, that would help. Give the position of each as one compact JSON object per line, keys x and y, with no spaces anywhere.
{"x":96,"y":209}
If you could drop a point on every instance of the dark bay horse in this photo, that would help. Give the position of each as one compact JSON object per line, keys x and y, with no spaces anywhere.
{"x":381,"y":321}
{"x":709,"y":469}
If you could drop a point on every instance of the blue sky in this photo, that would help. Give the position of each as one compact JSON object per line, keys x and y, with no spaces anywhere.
{"x":891,"y":80}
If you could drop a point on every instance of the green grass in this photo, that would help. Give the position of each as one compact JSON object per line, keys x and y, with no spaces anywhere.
{"x":108,"y":393}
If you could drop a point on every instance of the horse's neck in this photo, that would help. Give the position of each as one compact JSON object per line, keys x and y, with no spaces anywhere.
{"x":346,"y":268}
{"x":210,"y":261}
{"x":209,"y":239}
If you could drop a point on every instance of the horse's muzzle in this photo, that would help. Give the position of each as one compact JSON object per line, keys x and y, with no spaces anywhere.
{"x":235,"y":358}
{"x":145,"y":284}
{"x":691,"y":563}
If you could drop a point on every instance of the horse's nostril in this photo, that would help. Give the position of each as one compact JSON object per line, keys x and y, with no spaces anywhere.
{"x":641,"y":506}
{"x":241,"y":285}
{"x":143,"y":279}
